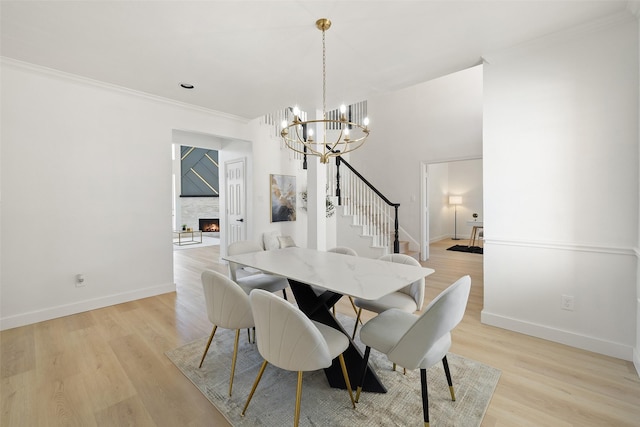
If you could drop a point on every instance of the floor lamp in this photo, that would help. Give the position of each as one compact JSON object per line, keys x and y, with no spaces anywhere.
{"x":455,"y":201}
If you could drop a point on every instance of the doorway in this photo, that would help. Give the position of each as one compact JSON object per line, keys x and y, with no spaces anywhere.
{"x":440,"y":180}
{"x":228,"y":150}
{"x":236,"y":200}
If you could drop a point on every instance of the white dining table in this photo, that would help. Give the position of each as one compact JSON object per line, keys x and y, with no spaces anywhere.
{"x":338,"y":275}
{"x":358,"y":277}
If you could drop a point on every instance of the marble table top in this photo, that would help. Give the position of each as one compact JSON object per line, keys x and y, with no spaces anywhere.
{"x":348,"y":275}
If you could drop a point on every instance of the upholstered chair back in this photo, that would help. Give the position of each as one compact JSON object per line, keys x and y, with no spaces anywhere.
{"x":416,"y":289}
{"x":286,"y":337}
{"x":429,"y":339}
{"x":227,"y":304}
{"x":343,"y":250}
{"x":241,"y":247}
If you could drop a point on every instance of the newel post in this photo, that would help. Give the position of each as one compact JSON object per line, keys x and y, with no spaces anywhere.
{"x":396,"y":242}
{"x":338,"y":181}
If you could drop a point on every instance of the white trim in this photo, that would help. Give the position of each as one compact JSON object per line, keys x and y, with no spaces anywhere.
{"x":424,"y":212}
{"x":584,"y":342}
{"x":403,"y":233}
{"x":451,"y":160}
{"x":108,"y":86}
{"x":82,"y":306}
{"x":561,"y":246}
{"x":560,"y":36}
{"x":636,"y":360}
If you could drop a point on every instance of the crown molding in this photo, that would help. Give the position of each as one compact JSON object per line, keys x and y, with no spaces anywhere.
{"x":563,"y":35}
{"x":4,"y":60}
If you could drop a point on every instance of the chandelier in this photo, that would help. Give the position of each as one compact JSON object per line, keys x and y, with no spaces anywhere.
{"x":298,"y":134}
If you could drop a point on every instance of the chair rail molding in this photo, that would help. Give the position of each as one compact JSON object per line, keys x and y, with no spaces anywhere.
{"x":564,"y":246}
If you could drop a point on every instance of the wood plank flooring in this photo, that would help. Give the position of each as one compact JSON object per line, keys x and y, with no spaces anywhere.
{"x":107,"y":367}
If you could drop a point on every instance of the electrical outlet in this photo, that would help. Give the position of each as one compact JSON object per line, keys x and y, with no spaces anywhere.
{"x":566,"y":302}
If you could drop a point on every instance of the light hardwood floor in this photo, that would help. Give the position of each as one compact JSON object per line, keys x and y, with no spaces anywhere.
{"x":107,"y":367}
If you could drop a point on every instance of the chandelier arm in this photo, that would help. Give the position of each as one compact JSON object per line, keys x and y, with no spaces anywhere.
{"x":344,"y":141}
{"x":349,"y":149}
{"x":310,"y":151}
{"x":298,"y":134}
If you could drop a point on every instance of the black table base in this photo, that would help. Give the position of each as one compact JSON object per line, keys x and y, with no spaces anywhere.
{"x":318,"y":308}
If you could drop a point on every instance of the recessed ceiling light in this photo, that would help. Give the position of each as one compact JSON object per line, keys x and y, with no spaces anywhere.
{"x":187,"y":85}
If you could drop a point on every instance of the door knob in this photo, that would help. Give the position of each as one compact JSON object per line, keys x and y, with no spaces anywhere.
{"x":240,"y":220}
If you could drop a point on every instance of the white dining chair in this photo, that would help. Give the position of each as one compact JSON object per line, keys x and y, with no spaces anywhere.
{"x":418,"y":341}
{"x":250,"y":279}
{"x":351,"y":252}
{"x":228,"y":307}
{"x":410,"y":298}
{"x":288,"y":339}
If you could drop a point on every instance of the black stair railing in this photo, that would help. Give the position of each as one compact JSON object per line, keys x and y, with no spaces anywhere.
{"x":377,"y":214}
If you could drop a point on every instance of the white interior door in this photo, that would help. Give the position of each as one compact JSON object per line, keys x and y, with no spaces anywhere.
{"x":236,"y":200}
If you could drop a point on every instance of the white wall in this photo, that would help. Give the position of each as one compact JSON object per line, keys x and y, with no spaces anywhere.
{"x":561,"y":186}
{"x":269,"y":157}
{"x":436,"y":121}
{"x":440,"y":213}
{"x":635,"y":7}
{"x":86,"y":188}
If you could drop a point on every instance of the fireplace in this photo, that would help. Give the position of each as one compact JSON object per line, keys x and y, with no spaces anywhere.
{"x":209,"y":224}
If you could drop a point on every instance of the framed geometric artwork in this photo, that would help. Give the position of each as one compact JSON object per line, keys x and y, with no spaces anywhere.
{"x":283,"y":197}
{"x":199,"y":172}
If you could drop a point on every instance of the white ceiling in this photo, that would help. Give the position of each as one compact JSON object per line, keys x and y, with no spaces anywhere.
{"x":248,"y":58}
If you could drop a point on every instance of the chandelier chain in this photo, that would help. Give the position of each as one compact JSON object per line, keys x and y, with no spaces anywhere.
{"x":297,"y":139}
{"x":324,"y":78}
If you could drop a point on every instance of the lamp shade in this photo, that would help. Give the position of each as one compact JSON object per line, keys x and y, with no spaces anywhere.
{"x":455,"y":200}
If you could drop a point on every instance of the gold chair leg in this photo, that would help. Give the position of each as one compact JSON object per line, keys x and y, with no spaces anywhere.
{"x":345,"y":374}
{"x":355,"y":327}
{"x":213,"y":332}
{"x":355,"y":308}
{"x":255,"y":384}
{"x":233,"y":360}
{"x":447,"y":372}
{"x":404,"y":370}
{"x":296,"y":416}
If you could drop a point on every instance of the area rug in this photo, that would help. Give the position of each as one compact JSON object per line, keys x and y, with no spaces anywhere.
{"x":274,"y":400}
{"x":465,"y":248}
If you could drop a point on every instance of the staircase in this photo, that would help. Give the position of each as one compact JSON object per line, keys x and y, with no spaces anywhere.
{"x":355,"y":236}
{"x":405,"y":248}
{"x":366,"y":220}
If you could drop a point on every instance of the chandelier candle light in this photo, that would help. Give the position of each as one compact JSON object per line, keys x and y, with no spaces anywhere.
{"x":350,"y":137}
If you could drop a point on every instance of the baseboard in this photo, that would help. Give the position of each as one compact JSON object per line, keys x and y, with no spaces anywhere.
{"x":636,"y":360}
{"x":82,"y":306}
{"x":572,"y":339}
